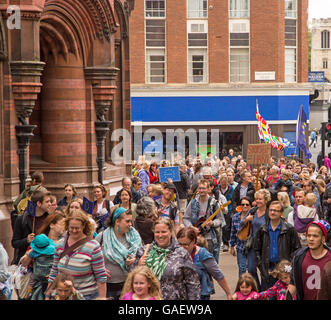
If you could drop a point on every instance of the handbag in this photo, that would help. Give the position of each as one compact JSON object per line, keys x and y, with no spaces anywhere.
{"x":249,"y":241}
{"x":21,"y":279}
{"x":244,"y":231}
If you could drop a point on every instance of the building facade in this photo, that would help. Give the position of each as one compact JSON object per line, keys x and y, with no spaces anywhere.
{"x":205,"y":64}
{"x":64,"y":87}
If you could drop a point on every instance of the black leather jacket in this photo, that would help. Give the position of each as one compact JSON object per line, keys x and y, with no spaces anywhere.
{"x":288,"y":243}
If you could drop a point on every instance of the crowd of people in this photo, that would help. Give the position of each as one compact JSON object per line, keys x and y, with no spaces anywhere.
{"x":156,"y":240}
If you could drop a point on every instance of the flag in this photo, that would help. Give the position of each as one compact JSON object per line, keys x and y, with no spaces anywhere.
{"x":88,"y":205}
{"x":266,"y":134}
{"x":31,"y":208}
{"x":301,"y":131}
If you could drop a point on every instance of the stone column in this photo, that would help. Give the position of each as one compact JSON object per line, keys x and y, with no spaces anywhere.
{"x":25,"y":86}
{"x":102,"y":80}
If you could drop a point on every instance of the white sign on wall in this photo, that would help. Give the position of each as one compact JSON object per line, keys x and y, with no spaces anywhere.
{"x":265,"y":75}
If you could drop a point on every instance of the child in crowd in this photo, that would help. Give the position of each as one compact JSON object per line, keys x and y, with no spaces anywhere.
{"x":282,"y":272}
{"x":64,"y":288}
{"x":141,"y":284}
{"x":306,"y":214}
{"x":246,"y":287}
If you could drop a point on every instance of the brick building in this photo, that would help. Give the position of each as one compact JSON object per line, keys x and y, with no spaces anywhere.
{"x":64,"y":72}
{"x":203,"y":64}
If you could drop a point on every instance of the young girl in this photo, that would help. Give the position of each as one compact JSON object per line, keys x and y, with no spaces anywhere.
{"x":141,"y":284}
{"x":64,"y":288}
{"x":282,"y":272}
{"x":246,"y":287}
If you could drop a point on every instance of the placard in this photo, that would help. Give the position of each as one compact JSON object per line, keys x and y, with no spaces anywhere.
{"x":169,"y":172}
{"x":258,"y":153}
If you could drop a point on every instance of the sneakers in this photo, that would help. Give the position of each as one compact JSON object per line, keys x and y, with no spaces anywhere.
{"x":225,"y":248}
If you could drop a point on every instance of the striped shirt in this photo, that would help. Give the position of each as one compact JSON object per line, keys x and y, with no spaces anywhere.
{"x":86,"y":265}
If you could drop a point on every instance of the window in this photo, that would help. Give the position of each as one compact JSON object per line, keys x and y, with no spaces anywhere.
{"x":155,"y":41}
{"x":197,"y":66}
{"x":290,"y":65}
{"x":238,"y":9}
{"x":325,"y":63}
{"x":197,"y":8}
{"x":155,"y":65}
{"x":197,"y":42}
{"x":290,"y":8}
{"x":154,"y":8}
{"x":239,"y":64}
{"x":155,"y":33}
{"x":325,"y":39}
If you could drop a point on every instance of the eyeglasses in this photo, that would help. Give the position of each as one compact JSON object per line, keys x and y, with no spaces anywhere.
{"x":274,"y":210}
{"x":245,"y":204}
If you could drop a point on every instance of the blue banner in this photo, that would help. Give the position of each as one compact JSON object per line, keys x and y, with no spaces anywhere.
{"x":169,"y":172}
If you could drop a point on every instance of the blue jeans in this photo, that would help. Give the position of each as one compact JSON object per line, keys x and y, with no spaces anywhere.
{"x":242,"y":260}
{"x":251,"y":259}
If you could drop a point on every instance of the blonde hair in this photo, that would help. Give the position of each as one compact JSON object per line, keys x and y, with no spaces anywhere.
{"x":247,"y":279}
{"x":154,"y":289}
{"x":310,"y":199}
{"x":282,"y":267}
{"x":265,"y":193}
{"x":284,"y":199}
{"x":83,"y":218}
{"x":157,"y":189}
{"x":67,"y":209}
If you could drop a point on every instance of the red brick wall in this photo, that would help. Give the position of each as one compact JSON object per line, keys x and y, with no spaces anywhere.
{"x":302,"y":41}
{"x":267,"y":35}
{"x":267,"y":40}
{"x":176,"y":42}
{"x":218,"y":44}
{"x":137,"y":43}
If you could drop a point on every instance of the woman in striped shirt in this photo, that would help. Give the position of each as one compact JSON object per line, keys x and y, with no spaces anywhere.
{"x":85,"y":262}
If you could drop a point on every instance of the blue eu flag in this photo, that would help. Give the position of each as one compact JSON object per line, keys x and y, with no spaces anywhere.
{"x":31,"y":208}
{"x":88,"y":205}
{"x":302,"y":128}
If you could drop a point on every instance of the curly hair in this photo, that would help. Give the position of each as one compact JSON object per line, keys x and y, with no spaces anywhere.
{"x":154,"y":289}
{"x":79,"y":215}
{"x":265,"y":193}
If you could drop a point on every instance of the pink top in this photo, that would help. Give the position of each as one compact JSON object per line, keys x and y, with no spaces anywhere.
{"x":327,"y":162}
{"x":242,"y":297}
{"x":128,"y":296}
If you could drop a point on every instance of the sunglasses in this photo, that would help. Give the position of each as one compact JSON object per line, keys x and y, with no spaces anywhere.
{"x":245,"y":204}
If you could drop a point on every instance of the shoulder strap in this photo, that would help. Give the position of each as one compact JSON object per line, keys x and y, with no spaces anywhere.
{"x":74,"y":246}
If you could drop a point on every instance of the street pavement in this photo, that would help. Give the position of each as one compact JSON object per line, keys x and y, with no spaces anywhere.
{"x":229,"y":267}
{"x":315,"y":150}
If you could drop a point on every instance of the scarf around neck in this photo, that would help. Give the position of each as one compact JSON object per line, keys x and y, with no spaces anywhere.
{"x":115,"y":251}
{"x":157,"y":260}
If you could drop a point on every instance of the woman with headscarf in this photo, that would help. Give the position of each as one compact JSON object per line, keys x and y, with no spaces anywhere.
{"x":119,"y":242}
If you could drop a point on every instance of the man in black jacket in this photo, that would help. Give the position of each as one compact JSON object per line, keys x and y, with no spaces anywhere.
{"x":245,"y":188}
{"x":182,"y":187}
{"x":308,"y":263}
{"x":26,"y":226}
{"x":273,"y":242}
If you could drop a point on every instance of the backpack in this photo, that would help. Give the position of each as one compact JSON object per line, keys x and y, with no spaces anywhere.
{"x":42,"y":266}
{"x":22,"y":205}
